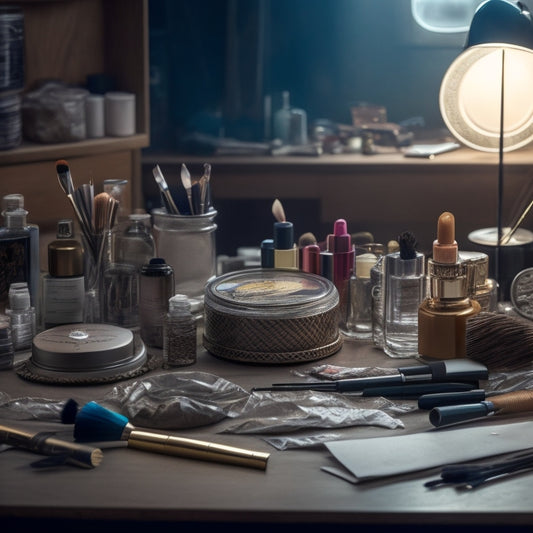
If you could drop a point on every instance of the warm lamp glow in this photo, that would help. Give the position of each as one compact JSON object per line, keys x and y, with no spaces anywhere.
{"x":470,"y":97}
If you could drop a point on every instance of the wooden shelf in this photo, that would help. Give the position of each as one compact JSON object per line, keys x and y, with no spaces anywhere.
{"x":69,"y":40}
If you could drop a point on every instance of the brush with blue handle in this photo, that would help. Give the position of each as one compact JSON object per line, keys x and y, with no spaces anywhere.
{"x":94,"y":423}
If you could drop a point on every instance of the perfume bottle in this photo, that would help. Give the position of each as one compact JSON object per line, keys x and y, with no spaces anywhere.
{"x":443,"y":315}
{"x":22,"y":316}
{"x":179,"y":344}
{"x":403,"y":292}
{"x":64,"y":285}
{"x":19,"y":250}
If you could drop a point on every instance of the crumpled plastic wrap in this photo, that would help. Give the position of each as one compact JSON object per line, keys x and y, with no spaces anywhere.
{"x":293,"y":410}
{"x":335,"y":372}
{"x":180,"y":400}
{"x":177,"y":400}
{"x":27,"y":408}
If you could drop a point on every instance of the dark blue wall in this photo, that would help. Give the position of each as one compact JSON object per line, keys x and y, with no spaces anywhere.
{"x":213,"y":61}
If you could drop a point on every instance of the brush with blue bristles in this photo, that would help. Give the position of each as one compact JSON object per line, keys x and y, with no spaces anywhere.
{"x":95,"y":423}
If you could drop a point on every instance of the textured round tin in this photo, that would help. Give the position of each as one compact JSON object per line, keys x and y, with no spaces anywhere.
{"x":271,"y":316}
{"x":85,"y":352}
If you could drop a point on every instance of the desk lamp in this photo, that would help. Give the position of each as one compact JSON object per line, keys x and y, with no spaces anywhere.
{"x":485,"y":96}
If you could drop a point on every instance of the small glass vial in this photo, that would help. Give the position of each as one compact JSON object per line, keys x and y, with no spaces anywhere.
{"x":22,"y":316}
{"x":7,"y":350}
{"x":179,"y":345}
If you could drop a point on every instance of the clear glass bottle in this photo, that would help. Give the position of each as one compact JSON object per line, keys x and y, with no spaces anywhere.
{"x":179,"y":345}
{"x":358,"y":322}
{"x":64,"y":285}
{"x":22,"y":316}
{"x":376,"y":282}
{"x":19,"y":250}
{"x":135,"y":245}
{"x":403,"y":290}
{"x":282,"y":119}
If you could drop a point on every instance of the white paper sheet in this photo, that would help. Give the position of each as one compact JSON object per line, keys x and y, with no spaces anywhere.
{"x":387,"y":456}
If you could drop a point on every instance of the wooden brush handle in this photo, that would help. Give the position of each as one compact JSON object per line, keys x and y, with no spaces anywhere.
{"x":513,"y":402}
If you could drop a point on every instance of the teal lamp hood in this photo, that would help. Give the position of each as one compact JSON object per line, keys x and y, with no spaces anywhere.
{"x":501,"y":21}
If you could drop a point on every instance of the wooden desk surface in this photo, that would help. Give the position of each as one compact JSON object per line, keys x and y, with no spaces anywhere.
{"x":166,"y":491}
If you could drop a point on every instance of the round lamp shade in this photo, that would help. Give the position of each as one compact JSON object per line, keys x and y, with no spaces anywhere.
{"x":471,"y":96}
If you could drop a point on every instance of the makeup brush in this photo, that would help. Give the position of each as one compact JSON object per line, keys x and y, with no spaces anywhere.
{"x":46,"y":444}
{"x":64,"y":176}
{"x":66,"y":183}
{"x":278,"y":212}
{"x":187,"y":185}
{"x":95,"y":423}
{"x":204,"y":188}
{"x":170,"y":206}
{"x":520,"y":401}
{"x":306,"y":239}
{"x":507,"y":237}
{"x":501,"y":342}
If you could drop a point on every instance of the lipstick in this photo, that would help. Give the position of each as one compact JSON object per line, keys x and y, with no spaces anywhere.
{"x":311,"y":259}
{"x":339,"y":243}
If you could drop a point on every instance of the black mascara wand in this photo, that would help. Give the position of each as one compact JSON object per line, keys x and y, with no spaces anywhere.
{"x":470,"y":475}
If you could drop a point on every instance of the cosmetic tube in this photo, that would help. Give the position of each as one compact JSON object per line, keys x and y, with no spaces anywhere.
{"x":443,"y":315}
{"x":285,"y":249}
{"x":403,"y":292}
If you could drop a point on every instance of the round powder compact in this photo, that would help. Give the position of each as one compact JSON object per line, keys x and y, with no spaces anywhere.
{"x":271,"y":316}
{"x":84,"y":353}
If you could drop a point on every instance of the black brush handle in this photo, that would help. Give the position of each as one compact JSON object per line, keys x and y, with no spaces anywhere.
{"x":429,"y":401}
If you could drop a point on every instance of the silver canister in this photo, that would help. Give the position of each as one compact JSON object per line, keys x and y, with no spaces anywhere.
{"x":156,"y":287}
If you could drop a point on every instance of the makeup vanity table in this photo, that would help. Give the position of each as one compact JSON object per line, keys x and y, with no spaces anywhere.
{"x":133,"y":490}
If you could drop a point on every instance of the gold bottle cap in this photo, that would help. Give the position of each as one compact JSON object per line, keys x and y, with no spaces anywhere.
{"x":65,"y":255}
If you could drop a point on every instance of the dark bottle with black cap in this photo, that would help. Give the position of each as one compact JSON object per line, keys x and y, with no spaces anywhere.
{"x":64,"y":285}
{"x":156,"y":287}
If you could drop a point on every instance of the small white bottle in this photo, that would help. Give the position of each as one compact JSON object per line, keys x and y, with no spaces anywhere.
{"x":179,"y":343}
{"x":22,"y":316}
{"x":282,"y":120}
{"x":64,"y":285}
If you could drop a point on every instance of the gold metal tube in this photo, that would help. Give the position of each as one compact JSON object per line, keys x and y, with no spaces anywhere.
{"x":196,"y":449}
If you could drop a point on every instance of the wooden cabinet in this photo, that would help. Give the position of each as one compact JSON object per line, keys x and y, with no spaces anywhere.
{"x":69,"y":40}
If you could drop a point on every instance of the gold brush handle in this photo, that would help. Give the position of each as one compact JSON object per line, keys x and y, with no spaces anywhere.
{"x":196,"y":449}
{"x":513,"y":402}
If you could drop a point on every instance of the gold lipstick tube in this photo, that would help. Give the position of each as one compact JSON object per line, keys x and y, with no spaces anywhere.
{"x":196,"y":449}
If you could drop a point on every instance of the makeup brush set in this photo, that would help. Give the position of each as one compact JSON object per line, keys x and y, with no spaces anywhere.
{"x":191,"y":196}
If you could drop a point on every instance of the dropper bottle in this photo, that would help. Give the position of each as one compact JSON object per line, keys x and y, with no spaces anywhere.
{"x":443,"y":315}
